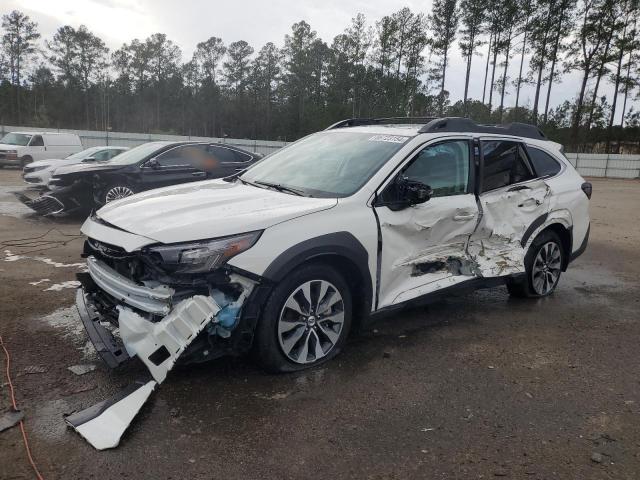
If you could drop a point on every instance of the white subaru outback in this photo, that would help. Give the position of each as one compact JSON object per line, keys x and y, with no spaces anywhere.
{"x":288,"y":256}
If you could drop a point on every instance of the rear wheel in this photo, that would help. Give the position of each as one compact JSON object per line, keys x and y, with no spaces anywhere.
{"x":116,"y":192}
{"x":306,"y":320}
{"x":543,"y":263}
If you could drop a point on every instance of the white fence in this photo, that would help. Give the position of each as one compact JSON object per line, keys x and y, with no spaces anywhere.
{"x":588,"y":164}
{"x":91,"y":138}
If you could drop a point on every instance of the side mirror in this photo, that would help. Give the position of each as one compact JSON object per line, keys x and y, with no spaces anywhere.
{"x":89,"y":159}
{"x":152,"y":163}
{"x":413,"y":192}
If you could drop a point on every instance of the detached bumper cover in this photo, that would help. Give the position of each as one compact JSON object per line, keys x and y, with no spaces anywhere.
{"x":110,"y":350}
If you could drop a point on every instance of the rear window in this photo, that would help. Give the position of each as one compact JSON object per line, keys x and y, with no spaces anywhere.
{"x":504,"y":164}
{"x":543,"y":163}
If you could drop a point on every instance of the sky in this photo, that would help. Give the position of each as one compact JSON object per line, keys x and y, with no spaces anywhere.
{"x":188,"y":22}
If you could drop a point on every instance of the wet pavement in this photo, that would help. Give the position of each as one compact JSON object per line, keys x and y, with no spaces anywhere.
{"x":477,"y":386}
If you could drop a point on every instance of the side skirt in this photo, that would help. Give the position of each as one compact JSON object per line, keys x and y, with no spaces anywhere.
{"x":454,"y":290}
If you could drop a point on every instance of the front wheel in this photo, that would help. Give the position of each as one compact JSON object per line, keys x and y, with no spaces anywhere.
{"x":543,"y":263}
{"x":305,"y":321}
{"x":116,"y":192}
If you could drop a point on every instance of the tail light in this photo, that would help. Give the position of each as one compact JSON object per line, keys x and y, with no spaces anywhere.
{"x":587,"y":189}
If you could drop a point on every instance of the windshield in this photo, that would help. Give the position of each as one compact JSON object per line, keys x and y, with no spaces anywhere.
{"x":16,"y":139}
{"x":83,"y":154}
{"x":327,"y":164}
{"x":136,"y":154}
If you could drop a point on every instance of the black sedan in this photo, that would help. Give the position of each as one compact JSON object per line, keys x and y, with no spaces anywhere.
{"x":151,"y":165}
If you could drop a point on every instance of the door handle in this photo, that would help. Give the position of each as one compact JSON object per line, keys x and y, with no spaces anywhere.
{"x":518,"y":187}
{"x":198,"y":174}
{"x":530,"y":201}
{"x":463,"y":217}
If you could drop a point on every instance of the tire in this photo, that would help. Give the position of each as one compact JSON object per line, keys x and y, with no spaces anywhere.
{"x":289,"y":337}
{"x":542,"y":275}
{"x":116,"y":192}
{"x":25,"y":161}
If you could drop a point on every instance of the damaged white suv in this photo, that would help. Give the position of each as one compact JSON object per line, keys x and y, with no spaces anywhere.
{"x":287,"y":256}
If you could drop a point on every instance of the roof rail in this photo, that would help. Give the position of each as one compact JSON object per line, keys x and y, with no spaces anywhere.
{"x":355,"y":122}
{"x":459,"y":124}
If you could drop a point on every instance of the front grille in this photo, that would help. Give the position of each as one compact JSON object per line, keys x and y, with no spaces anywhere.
{"x":32,"y":180}
{"x":44,"y":204}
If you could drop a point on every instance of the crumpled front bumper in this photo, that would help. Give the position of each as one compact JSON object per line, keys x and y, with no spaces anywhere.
{"x":110,"y":349}
{"x":158,"y":344}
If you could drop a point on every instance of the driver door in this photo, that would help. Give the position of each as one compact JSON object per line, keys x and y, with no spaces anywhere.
{"x":181,"y":164}
{"x":424,"y":246}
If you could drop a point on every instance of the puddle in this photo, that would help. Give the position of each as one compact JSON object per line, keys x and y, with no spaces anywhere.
{"x":14,"y":209}
{"x":66,"y":320}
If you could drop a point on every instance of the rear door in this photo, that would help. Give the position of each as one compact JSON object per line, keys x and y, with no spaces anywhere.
{"x":511,"y":201}
{"x":424,"y":246}
{"x":226,"y":161}
{"x":184,"y":163}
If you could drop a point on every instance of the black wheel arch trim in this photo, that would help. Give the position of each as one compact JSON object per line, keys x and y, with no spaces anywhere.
{"x":583,"y":245}
{"x":340,"y":244}
{"x":532,"y":228}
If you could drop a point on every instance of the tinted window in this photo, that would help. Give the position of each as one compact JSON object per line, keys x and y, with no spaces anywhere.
{"x":242,"y":157}
{"x":223,"y":155}
{"x":503,"y":164}
{"x":185,"y":156}
{"x":444,"y":167}
{"x":102,"y":155}
{"x":543,"y":163}
{"x":36,"y":141}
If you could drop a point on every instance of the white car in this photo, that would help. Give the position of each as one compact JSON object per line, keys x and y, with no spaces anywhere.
{"x":21,"y":148}
{"x":288,"y":256}
{"x":39,"y":172}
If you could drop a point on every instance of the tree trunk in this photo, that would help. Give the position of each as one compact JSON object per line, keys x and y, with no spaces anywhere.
{"x":578,"y":112}
{"x":466,"y":82}
{"x":519,"y":83}
{"x":493,"y":72}
{"x":553,"y":63}
{"x":626,"y":90}
{"x":486,"y":68}
{"x":504,"y":75}
{"x":598,"y":79}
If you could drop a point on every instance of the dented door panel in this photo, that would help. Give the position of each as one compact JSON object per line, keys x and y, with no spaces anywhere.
{"x":425,"y":245}
{"x":505,"y":215}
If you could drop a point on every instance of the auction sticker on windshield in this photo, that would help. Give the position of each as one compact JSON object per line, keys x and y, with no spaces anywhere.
{"x":389,"y":138}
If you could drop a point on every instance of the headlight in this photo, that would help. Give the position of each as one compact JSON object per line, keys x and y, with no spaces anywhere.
{"x":204,"y":256}
{"x":35,"y":169}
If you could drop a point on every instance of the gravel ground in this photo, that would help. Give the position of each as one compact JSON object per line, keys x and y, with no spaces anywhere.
{"x":477,"y":386}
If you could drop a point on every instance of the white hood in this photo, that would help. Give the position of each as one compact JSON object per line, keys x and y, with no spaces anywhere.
{"x":49,"y":162}
{"x":208,"y":209}
{"x":6,"y":146}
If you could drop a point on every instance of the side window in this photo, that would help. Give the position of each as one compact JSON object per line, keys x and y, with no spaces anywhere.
{"x":36,"y":141}
{"x":543,"y":163}
{"x":183,"y":156}
{"x":242,"y":157}
{"x":504,"y":164}
{"x":223,"y":155}
{"x":444,"y":167}
{"x":102,"y":155}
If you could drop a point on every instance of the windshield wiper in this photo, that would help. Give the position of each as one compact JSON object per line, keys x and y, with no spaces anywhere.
{"x":282,"y":188}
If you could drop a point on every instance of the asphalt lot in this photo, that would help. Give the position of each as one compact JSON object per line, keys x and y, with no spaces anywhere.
{"x":477,"y":386}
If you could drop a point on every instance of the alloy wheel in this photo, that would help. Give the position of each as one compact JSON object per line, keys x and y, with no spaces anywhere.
{"x":311,"y":321}
{"x":116,"y":193}
{"x":546,"y":268}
